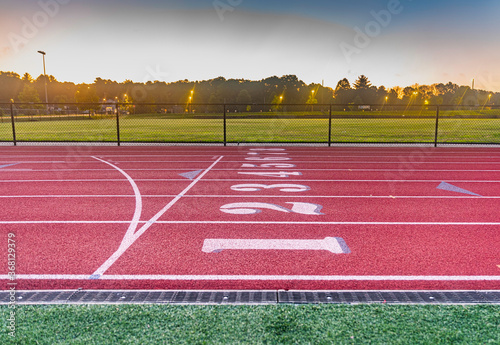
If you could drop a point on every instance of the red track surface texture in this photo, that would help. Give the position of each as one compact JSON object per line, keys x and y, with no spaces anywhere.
{"x":250,"y":217}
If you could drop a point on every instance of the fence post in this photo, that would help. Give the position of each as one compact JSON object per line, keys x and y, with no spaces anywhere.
{"x":437,"y":126}
{"x":330,"y":127}
{"x":225,"y":128}
{"x":13,"y":123}
{"x":117,"y":124}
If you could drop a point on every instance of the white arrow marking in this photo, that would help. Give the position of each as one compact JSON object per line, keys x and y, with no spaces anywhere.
{"x":8,"y":165}
{"x":334,"y":245}
{"x":191,"y":174}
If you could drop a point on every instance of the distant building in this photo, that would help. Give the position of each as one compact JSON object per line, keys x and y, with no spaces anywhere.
{"x":109,"y":106}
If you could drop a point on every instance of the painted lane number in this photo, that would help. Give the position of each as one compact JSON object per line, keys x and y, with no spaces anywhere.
{"x":292,"y":188}
{"x":282,"y":174}
{"x":256,"y":207}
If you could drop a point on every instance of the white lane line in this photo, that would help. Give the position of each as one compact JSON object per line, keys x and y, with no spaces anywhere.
{"x":258,"y":196}
{"x":128,"y":241}
{"x":232,"y":180}
{"x":256,"y":277}
{"x":35,"y":222}
{"x":390,"y":154}
{"x":138,"y":203}
{"x":340,"y":169}
{"x":316,"y":162}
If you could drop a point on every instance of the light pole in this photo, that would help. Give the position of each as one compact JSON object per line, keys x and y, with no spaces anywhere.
{"x":45,"y":77}
{"x":487,"y":101}
{"x":191,"y":101}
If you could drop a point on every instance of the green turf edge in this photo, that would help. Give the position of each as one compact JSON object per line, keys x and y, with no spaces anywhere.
{"x":271,"y":324}
{"x":257,"y":130}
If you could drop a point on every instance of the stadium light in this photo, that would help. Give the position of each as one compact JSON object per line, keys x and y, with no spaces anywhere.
{"x":45,"y":75}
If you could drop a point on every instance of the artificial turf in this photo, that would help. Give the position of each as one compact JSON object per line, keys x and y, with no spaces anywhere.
{"x":271,"y":324}
{"x":157,"y":128}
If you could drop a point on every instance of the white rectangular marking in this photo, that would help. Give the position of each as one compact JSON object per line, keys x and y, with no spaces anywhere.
{"x":332,"y":244}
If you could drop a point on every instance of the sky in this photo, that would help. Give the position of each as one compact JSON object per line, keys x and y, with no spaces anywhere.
{"x":392,"y":42}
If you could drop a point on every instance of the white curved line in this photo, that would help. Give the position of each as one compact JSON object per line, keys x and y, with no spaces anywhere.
{"x":133,"y":224}
{"x":132,"y":235}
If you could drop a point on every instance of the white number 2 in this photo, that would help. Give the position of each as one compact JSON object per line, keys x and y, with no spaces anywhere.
{"x":255,"y":207}
{"x":258,"y":187}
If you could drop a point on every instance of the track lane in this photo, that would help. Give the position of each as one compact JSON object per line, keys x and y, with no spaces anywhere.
{"x":166,"y":249}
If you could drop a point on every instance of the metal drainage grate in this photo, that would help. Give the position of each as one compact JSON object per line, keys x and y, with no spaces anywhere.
{"x":391,"y":297}
{"x":249,"y":297}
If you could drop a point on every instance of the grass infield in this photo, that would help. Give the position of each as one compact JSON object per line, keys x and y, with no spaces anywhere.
{"x":158,"y":128}
{"x":275,"y":324}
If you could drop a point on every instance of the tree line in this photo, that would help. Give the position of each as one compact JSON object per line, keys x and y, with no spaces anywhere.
{"x":288,"y":89}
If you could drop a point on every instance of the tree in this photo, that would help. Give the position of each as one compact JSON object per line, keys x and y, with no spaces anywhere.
{"x":87,"y":94}
{"x":277,"y":100}
{"x":29,"y":95}
{"x":312,"y":100}
{"x":244,"y":97}
{"x":362,"y":83}
{"x":10,"y":86}
{"x":27,"y":78}
{"x":343,"y":85}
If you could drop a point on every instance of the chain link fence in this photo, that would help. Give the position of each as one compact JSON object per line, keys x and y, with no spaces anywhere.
{"x":253,"y":123}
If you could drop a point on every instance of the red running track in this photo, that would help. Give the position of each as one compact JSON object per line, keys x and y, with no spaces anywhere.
{"x":251,"y":217}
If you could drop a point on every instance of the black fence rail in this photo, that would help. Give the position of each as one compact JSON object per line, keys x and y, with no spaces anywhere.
{"x":248,"y":123}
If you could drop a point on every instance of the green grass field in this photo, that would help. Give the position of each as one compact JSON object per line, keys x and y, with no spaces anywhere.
{"x":155,"y":128}
{"x":275,"y":324}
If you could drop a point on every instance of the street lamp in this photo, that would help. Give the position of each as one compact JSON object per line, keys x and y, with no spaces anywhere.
{"x":45,"y":75}
{"x":487,"y":101}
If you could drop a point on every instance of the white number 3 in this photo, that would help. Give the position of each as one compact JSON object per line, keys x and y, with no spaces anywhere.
{"x":258,"y":187}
